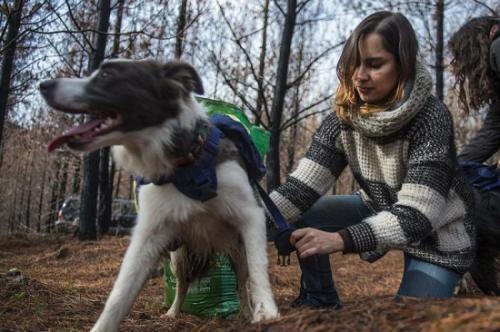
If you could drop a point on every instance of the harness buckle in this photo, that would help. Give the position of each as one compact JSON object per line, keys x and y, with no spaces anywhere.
{"x":283,"y":260}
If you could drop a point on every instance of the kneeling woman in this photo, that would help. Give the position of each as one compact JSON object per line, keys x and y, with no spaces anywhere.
{"x":398,"y":141}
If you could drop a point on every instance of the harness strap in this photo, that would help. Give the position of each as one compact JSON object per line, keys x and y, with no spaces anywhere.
{"x":198,"y":179}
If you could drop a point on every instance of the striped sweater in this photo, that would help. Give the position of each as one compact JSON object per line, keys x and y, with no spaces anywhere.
{"x":405,"y":163}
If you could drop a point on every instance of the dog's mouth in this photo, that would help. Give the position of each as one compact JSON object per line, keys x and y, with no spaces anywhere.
{"x":79,"y":136}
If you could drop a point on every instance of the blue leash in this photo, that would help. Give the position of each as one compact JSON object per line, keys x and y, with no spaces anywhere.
{"x":282,"y":238}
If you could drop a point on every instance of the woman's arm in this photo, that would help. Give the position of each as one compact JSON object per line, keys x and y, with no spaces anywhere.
{"x":315,"y":174}
{"x":487,"y":140}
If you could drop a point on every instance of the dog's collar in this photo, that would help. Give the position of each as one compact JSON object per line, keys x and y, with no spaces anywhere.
{"x":201,"y":132}
{"x":196,"y":178}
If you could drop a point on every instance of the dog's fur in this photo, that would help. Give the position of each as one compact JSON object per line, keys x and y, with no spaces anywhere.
{"x":149,"y":115}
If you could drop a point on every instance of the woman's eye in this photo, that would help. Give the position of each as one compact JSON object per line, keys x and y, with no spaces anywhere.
{"x":376,"y":65}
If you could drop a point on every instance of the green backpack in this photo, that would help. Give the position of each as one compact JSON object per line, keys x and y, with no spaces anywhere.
{"x":215,"y":294}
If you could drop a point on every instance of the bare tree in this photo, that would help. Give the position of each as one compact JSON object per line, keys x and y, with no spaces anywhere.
{"x":88,"y":205}
{"x":14,"y":22}
{"x":106,"y":168}
{"x":273,"y":156}
{"x":181,"y":26}
{"x":439,"y":15}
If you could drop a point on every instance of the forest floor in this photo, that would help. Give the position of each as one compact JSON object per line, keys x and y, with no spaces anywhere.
{"x":65,"y":282}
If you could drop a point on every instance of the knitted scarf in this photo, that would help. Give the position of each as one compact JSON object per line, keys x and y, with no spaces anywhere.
{"x":388,"y":122}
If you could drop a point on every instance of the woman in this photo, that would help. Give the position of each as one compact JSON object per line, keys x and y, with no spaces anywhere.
{"x":475,"y":49}
{"x":398,"y":141}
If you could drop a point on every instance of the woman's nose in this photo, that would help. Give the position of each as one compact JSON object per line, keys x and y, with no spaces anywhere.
{"x":360,"y":74}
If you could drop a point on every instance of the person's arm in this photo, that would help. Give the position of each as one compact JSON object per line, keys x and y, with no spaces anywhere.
{"x":487,"y":140}
{"x":423,"y":194}
{"x":315,"y":174}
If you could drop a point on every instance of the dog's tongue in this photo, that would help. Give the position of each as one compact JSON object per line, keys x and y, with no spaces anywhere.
{"x":84,"y":129}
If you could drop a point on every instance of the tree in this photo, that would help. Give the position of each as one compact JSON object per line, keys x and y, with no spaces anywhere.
{"x":273,"y":156}
{"x":106,"y":166}
{"x":181,"y":26}
{"x":439,"y":49}
{"x":14,"y":22}
{"x":88,"y":205}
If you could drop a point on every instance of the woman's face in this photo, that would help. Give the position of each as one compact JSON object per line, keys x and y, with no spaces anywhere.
{"x":376,"y":76}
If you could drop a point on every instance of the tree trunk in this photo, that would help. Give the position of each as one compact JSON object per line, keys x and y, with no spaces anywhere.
{"x":439,"y":49}
{"x":105,"y":184}
{"x":77,"y":179}
{"x":118,"y":183}
{"x":14,"y":22}
{"x":30,"y":191}
{"x":262,"y":63}
{"x":273,"y":156}
{"x":181,"y":26}
{"x":51,"y":217}
{"x":88,"y":207}
{"x":40,"y":202}
{"x":295,"y":114}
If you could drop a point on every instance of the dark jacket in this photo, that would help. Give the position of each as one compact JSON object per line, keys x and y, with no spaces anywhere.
{"x":487,"y":140}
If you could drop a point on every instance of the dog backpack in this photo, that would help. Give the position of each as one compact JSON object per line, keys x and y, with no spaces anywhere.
{"x":215,"y":294}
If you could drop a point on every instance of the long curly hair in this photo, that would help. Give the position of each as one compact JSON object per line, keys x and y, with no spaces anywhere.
{"x":469,"y":47}
{"x":398,"y":38}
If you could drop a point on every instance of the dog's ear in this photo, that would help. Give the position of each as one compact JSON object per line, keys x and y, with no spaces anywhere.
{"x":185,"y":74}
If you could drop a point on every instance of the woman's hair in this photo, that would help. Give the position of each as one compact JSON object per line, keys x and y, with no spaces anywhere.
{"x":469,"y":47}
{"x":398,"y":38}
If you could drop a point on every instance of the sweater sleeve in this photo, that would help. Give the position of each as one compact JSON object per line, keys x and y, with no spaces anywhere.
{"x":316,"y":172}
{"x":487,"y":140}
{"x":422,"y":199}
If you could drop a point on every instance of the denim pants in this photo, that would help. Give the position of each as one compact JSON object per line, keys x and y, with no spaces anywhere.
{"x":332,"y":213}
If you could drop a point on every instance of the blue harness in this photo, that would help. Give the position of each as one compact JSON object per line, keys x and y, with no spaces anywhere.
{"x":198,"y":179}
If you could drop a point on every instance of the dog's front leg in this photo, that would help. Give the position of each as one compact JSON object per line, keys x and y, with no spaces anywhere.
{"x":253,"y":232}
{"x":148,"y":243}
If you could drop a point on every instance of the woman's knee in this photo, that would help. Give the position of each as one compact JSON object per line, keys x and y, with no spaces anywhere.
{"x":332,"y":213}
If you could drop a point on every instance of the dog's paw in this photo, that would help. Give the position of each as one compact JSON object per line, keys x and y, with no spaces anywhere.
{"x":265,"y":311}
{"x":171,"y":313}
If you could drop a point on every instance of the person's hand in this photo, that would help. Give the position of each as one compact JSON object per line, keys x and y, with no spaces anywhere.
{"x":310,"y":241}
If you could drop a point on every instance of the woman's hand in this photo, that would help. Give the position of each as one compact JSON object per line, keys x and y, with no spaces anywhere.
{"x":310,"y":241}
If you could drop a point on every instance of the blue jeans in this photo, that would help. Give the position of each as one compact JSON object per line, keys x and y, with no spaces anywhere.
{"x":332,"y":213}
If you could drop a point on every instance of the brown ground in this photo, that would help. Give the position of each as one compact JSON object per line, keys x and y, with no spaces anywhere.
{"x":66,"y":283}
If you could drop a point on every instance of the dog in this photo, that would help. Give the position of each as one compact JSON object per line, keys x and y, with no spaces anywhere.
{"x":147,"y":112}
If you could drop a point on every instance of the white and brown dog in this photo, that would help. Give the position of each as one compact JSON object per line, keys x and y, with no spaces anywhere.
{"x":146,"y":111}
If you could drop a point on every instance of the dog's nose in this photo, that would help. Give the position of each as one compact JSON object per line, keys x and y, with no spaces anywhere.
{"x":47,"y":86}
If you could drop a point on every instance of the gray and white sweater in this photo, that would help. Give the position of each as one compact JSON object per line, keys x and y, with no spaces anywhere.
{"x":405,"y":163}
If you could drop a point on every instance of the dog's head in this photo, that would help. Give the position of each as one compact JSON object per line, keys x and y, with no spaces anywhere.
{"x":121,"y":97}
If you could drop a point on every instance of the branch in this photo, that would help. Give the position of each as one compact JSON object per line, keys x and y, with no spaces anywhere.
{"x":301,"y":6}
{"x":298,"y":119}
{"x":279,"y":7}
{"x":233,"y":88}
{"x":299,"y":78}
{"x":75,"y":23}
{"x":245,"y":53}
{"x":294,"y":120}
{"x":491,"y":10}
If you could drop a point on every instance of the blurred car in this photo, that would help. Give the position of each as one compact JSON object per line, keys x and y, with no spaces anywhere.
{"x":123,"y":215}
{"x":69,"y":212}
